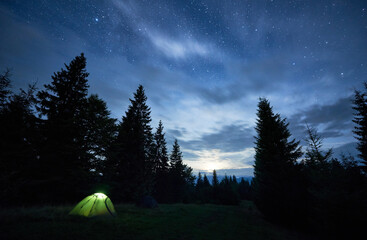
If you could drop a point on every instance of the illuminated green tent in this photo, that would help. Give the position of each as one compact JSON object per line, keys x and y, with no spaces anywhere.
{"x":97,"y":204}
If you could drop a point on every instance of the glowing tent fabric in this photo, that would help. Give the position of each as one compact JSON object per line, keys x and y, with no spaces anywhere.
{"x":97,"y":204}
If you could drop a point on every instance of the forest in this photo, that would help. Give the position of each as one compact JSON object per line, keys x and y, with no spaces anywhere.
{"x":60,"y":144}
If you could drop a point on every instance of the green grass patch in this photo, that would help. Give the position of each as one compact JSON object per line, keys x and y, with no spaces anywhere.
{"x":169,"y":221}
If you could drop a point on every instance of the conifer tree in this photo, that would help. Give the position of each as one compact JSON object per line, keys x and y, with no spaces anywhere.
{"x":360,"y":119}
{"x":131,"y":160}
{"x":199,"y":182}
{"x":161,"y":165}
{"x":199,"y":188}
{"x":275,"y":158}
{"x":234,"y":180}
{"x":101,"y":131}
{"x":19,"y":138}
{"x":244,"y":189}
{"x":206,"y":190}
{"x":161,"y":156}
{"x":4,"y":88}
{"x":64,"y":161}
{"x":215,"y":181}
{"x":182,"y":179}
{"x":314,"y":156}
{"x":215,"y":187}
{"x":206,"y":183}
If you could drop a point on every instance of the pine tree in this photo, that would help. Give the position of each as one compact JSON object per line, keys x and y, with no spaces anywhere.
{"x":181,"y":177}
{"x":314,"y":155}
{"x":199,"y":182}
{"x":234,"y":180}
{"x":19,"y":138}
{"x":101,"y":131}
{"x":275,"y":187}
{"x":161,"y":156}
{"x":244,"y":189}
{"x":4,"y":88}
{"x":215,"y":187}
{"x":161,"y":165}
{"x":199,"y":193}
{"x":206,"y":190}
{"x":215,"y":181}
{"x":206,"y":182}
{"x":333,"y":188}
{"x":360,"y":119}
{"x":131,"y":160}
{"x":64,"y":161}
{"x":176,"y":156}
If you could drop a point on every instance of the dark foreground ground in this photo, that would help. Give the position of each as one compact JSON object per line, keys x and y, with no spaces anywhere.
{"x":169,"y":221}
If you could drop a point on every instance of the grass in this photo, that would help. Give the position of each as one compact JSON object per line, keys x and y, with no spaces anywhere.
{"x":169,"y":221}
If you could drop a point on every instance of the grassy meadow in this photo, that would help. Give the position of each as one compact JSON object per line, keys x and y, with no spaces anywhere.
{"x":169,"y":221}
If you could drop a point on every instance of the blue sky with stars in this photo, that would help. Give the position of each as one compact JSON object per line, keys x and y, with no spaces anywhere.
{"x":204,"y":64}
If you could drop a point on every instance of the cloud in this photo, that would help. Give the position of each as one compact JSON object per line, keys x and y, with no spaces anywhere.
{"x":178,"y":49}
{"x":331,"y":120}
{"x":346,"y":149}
{"x":216,"y":159}
{"x":230,"y":138}
{"x":229,"y":148}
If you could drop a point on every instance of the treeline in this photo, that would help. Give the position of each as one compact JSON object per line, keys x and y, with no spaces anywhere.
{"x":228,"y":191}
{"x":317,"y":193}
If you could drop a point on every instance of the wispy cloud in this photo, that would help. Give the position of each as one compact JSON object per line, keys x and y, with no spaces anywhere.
{"x":178,"y":49}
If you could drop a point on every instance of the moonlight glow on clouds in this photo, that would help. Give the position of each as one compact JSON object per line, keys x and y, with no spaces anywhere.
{"x":204,"y":64}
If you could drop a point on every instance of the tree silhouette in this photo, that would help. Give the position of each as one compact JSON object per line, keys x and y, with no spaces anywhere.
{"x":101,"y":131}
{"x":181,"y":177}
{"x":64,"y":161}
{"x":4,"y":88}
{"x":161,"y":166}
{"x":275,"y":188}
{"x":18,"y":146}
{"x":333,"y":188}
{"x":360,"y":119}
{"x":244,"y":189}
{"x":131,"y":160}
{"x":161,"y":156}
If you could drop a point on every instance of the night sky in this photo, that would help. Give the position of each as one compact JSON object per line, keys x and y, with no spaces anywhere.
{"x":204,"y":64}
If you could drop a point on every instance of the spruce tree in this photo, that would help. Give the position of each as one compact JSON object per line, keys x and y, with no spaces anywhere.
{"x":64,"y":161}
{"x":244,"y":189}
{"x":314,"y":156}
{"x":181,"y":177}
{"x":199,"y":188}
{"x":160,"y":167}
{"x":19,"y":138}
{"x":4,"y":88}
{"x":206,"y":190}
{"x":275,"y":187}
{"x":360,"y":119}
{"x":333,"y":189}
{"x":215,"y":187}
{"x":131,"y":161}
{"x":234,"y":180}
{"x":215,"y":181}
{"x":101,"y":131}
{"x":161,"y":156}
{"x":199,"y":182}
{"x":206,"y":182}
